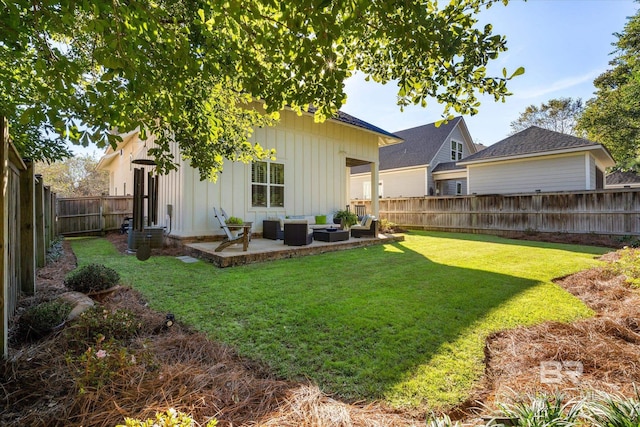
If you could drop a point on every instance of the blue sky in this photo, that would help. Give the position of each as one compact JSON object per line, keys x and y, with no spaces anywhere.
{"x":563,"y":45}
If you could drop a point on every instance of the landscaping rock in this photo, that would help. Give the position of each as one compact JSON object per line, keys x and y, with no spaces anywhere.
{"x":80,"y":302}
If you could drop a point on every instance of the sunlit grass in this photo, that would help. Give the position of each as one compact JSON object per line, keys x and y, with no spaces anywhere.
{"x":404,"y":322}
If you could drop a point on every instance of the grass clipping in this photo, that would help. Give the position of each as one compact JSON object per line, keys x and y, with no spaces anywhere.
{"x":606,"y":346}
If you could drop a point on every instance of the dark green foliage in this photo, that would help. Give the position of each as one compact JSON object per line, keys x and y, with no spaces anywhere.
{"x":98,"y":322}
{"x":92,"y":278}
{"x":40,"y":319}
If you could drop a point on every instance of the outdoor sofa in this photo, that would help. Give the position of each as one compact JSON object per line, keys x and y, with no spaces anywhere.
{"x":273,"y":227}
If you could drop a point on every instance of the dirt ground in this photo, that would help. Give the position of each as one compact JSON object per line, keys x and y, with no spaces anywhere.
{"x":190,"y":373}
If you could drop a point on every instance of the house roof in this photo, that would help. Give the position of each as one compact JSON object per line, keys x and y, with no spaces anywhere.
{"x":348,"y":119}
{"x":420,"y":146}
{"x":448,"y":166}
{"x":534,"y":141}
{"x":623,"y":178}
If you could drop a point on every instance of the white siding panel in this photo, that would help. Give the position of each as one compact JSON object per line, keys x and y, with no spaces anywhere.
{"x":561,"y":173}
{"x":314,"y":155}
{"x":592,"y":172}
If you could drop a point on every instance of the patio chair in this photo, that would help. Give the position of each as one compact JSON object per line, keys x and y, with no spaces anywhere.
{"x":296,"y":232}
{"x":226,"y":219}
{"x":230,"y":238}
{"x":368,"y":227}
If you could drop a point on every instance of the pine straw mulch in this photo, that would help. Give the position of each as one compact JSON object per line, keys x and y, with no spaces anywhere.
{"x":176,"y":368}
{"x":607,"y":345}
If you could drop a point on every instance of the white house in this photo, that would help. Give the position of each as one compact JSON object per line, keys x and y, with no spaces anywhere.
{"x":308,"y":177}
{"x":537,"y":160}
{"x":423,"y":165}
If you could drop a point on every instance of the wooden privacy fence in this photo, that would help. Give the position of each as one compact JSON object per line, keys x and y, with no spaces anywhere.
{"x":605,"y":212}
{"x":89,"y":215}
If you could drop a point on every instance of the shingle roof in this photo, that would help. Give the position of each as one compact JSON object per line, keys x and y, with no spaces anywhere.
{"x":420,"y":145}
{"x":354,"y":121}
{"x":448,"y":166}
{"x":622,"y":178}
{"x":530,"y":141}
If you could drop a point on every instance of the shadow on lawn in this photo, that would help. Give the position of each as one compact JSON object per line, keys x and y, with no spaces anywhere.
{"x":383,"y":322}
{"x":376,"y":337}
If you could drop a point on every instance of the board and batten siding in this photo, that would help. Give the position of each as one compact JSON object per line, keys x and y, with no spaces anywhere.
{"x":444,"y":154}
{"x":553,"y":173}
{"x":314,"y":157}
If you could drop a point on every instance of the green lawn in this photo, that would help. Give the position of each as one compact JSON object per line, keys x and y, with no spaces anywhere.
{"x":404,"y":322}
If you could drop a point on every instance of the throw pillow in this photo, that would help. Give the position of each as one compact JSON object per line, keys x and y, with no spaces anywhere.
{"x":321,"y":219}
{"x":364,"y":220}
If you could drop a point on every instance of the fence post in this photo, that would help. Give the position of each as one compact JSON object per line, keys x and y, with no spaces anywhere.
{"x":27,"y":234}
{"x":4,"y":235}
{"x":41,"y":250}
{"x":46,"y":212}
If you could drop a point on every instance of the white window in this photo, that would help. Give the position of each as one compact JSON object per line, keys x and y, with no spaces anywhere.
{"x":458,"y":188}
{"x":267,"y":185}
{"x":456,"y":150}
{"x":366,"y":190}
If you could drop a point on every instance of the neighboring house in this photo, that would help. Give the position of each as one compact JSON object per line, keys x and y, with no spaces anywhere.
{"x":422,"y":165}
{"x":621,"y":179}
{"x":537,"y":159}
{"x":308,"y":177}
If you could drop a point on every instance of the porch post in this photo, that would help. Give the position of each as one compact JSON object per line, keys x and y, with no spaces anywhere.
{"x":375,"y":179}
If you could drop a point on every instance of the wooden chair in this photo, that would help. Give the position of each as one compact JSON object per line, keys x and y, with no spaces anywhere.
{"x":230,"y":239}
{"x":226,"y":219}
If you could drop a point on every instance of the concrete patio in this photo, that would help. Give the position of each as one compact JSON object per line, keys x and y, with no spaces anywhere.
{"x":268,"y":250}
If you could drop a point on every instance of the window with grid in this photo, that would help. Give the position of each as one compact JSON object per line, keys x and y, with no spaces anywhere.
{"x":456,"y":150}
{"x":267,"y":185}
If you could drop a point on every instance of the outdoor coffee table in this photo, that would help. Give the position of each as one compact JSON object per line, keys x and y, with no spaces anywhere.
{"x":330,"y":236}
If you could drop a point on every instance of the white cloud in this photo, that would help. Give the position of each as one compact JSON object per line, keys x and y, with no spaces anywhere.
{"x":560,"y":85}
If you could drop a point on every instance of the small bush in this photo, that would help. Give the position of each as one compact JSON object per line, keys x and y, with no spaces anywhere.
{"x":543,"y":411}
{"x":38,"y":320}
{"x":613,"y":411}
{"x":94,"y":368}
{"x":628,"y":265}
{"x":118,"y":325}
{"x":169,"y":418}
{"x":92,"y":278}
{"x":386,"y":226}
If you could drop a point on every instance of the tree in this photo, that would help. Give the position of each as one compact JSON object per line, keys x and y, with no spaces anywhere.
{"x":75,"y":177}
{"x":188,"y":70}
{"x":560,"y":115}
{"x":613,"y":116}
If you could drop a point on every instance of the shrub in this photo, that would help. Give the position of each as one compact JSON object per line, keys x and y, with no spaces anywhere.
{"x":38,"y":320}
{"x":92,"y":278}
{"x":119,"y":324}
{"x":614,"y":411}
{"x":628,"y":265}
{"x":169,"y":418}
{"x":98,"y":364}
{"x":441,"y":421}
{"x":543,"y":411}
{"x":386,"y":226}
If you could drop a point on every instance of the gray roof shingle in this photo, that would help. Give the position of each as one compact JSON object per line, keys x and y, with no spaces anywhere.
{"x":622,"y":178}
{"x":420,"y":146}
{"x":354,"y":121}
{"x":530,"y":141}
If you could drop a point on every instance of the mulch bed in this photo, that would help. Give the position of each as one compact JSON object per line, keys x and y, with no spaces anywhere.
{"x":607,"y":345}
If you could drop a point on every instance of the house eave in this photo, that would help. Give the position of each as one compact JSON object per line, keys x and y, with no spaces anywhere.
{"x":599,"y":152}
